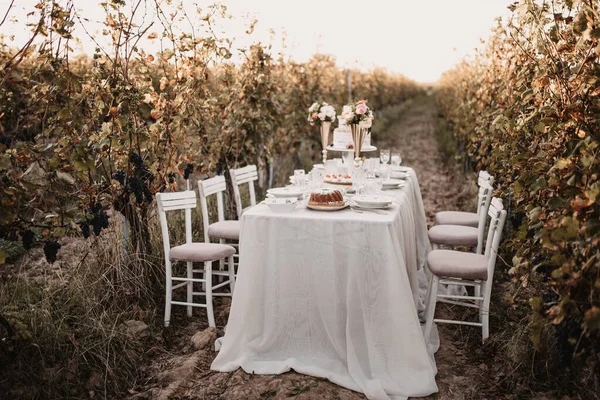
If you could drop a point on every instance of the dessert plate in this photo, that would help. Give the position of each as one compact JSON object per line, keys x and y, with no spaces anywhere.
{"x":401,"y":168}
{"x":398,"y":175}
{"x":338,"y":179}
{"x":328,"y":208}
{"x":392,"y":184}
{"x":285,"y":192}
{"x":373,"y":201}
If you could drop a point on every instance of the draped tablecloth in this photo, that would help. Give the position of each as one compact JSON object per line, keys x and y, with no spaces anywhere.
{"x":334,"y":295}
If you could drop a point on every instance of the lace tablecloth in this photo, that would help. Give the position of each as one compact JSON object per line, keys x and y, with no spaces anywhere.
{"x":334,"y":295}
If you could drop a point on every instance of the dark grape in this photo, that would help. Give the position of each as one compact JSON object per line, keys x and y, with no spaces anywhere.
{"x":138,"y":188}
{"x":136,"y":159}
{"x":171,"y":177}
{"x":120,"y":177}
{"x":51,"y":248}
{"x":187,"y":171}
{"x":147,"y":193}
{"x":28,"y":236}
{"x":85,"y":229}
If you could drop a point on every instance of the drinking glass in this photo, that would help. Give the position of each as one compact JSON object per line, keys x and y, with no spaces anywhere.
{"x":316,"y":181}
{"x":385,"y":171}
{"x":396,"y":159}
{"x":384,"y":156}
{"x":371,"y":166}
{"x":359,"y":180}
{"x":299,"y":177}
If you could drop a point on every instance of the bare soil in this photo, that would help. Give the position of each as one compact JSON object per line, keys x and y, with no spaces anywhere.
{"x":183,"y":372}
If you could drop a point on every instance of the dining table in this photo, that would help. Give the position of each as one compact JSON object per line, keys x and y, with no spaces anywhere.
{"x":335,"y":295}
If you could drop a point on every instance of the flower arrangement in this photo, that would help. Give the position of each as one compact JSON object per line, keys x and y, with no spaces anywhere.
{"x":320,"y":112}
{"x":358,"y":114}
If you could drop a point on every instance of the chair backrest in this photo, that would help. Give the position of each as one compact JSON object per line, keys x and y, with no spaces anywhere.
{"x":207,"y":188}
{"x":240,"y":176}
{"x":497,"y":214}
{"x":485,"y":177}
{"x":484,"y":198}
{"x":175,"y":201}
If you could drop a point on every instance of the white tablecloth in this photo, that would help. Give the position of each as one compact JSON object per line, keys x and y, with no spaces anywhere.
{"x":334,"y":295}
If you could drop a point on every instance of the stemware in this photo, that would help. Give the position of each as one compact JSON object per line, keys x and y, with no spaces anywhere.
{"x":396,"y":159}
{"x":300,"y":178}
{"x":385,"y":171}
{"x":384,"y":156}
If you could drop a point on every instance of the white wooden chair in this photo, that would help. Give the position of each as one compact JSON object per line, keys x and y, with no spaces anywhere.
{"x":462,"y":235}
{"x":240,"y":176}
{"x":466,"y":269}
{"x":462,"y":217}
{"x":190,"y":252}
{"x":225,"y":231}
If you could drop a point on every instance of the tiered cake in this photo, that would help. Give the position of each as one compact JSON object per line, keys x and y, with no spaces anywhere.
{"x":342,"y":136}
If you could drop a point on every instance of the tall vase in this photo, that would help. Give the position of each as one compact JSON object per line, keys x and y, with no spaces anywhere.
{"x":358,"y":137}
{"x":325,"y":128}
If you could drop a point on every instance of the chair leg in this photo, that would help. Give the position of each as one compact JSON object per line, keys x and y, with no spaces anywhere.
{"x":431,"y":302}
{"x":485,"y":310}
{"x":190,"y":288}
{"x":221,"y":278}
{"x":231,"y":268}
{"x":209,"y":297}
{"x":168,"y":294}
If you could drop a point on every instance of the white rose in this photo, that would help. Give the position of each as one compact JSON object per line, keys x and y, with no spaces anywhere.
{"x":328,"y":110}
{"x":321,"y":116}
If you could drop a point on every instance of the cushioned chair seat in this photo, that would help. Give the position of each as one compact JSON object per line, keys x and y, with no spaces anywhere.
{"x":200,"y":252}
{"x":458,"y":264}
{"x":457,"y":218}
{"x":225,"y":230}
{"x":453,"y":235}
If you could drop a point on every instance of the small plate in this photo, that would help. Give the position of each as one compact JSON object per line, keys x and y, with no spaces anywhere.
{"x":285,"y":192}
{"x":392,"y":184}
{"x":370,"y":200}
{"x":398,"y":175}
{"x":401,"y":168}
{"x":328,"y":208}
{"x":371,"y":207}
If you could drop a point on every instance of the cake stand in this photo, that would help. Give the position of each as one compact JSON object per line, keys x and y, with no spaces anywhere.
{"x":348,"y":154}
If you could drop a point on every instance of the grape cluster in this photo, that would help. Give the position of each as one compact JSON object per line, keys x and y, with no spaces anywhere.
{"x":85,"y":229}
{"x":51,"y":248}
{"x":171,"y":177}
{"x":28,"y":237}
{"x":140,"y":190}
{"x":99,"y":219}
{"x":141,"y":171}
{"x":187,"y":171}
{"x":120,"y":177}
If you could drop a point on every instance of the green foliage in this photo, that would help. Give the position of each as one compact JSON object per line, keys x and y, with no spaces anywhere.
{"x":86,"y":142}
{"x":527,"y":108}
{"x":82,"y":135}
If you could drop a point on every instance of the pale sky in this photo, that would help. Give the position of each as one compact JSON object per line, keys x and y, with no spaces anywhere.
{"x":420,"y":39}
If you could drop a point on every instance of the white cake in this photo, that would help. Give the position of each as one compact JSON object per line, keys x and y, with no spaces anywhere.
{"x":342,"y":136}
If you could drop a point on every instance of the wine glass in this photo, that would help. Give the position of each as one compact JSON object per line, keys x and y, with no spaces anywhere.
{"x":299,"y":177}
{"x":396,"y":159}
{"x":384,"y":156}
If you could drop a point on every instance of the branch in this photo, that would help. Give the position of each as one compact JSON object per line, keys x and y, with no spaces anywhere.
{"x":7,"y":11}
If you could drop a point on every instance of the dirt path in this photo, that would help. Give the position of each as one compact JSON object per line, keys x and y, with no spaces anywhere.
{"x":184,"y":372}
